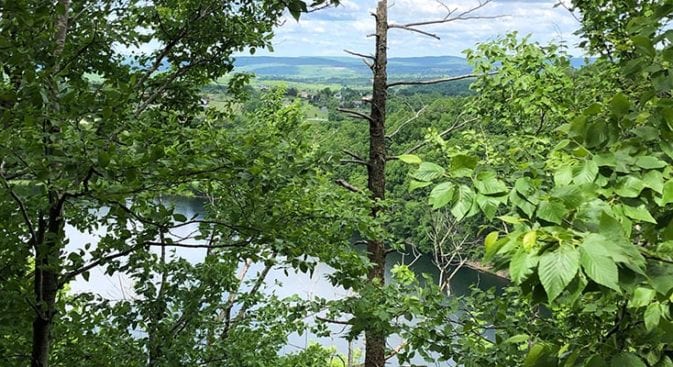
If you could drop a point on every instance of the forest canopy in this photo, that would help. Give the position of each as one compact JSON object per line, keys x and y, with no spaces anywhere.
{"x":555,"y":176}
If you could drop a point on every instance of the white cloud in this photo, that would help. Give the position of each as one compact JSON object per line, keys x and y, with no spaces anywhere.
{"x":329,"y":31}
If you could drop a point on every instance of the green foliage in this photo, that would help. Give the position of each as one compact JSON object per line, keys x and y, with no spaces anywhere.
{"x":598,"y":201}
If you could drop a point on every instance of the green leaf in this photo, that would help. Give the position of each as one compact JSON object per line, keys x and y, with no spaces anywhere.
{"x":626,"y":359}
{"x":639,"y":213}
{"x":463,"y":162}
{"x":179,"y":217}
{"x":522,"y":264}
{"x":661,"y":277}
{"x":540,"y":355}
{"x":488,"y":205}
{"x":667,"y":195}
{"x":517,"y":339}
{"x":557,"y":269}
{"x":410,"y":158}
{"x":487,"y":184}
{"x":529,"y":240}
{"x":441,"y":195}
{"x":527,"y":207}
{"x":620,"y":105}
{"x":563,"y":176}
{"x":490,"y":247}
{"x":650,"y":162}
{"x":629,"y":187}
{"x":654,"y":180}
{"x":464,"y":202}
{"x":413,"y":185}
{"x":595,"y":361}
{"x":511,"y":219}
{"x":599,"y":267}
{"x":642,"y":297}
{"x":652,"y":316}
{"x":428,"y":171}
{"x":551,"y":211}
{"x":587,"y":173}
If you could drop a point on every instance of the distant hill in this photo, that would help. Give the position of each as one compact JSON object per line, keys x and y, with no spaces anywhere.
{"x":352,"y":69}
{"x":347,"y":68}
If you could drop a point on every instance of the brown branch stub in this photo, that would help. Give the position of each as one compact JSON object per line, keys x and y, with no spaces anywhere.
{"x":345,"y":184}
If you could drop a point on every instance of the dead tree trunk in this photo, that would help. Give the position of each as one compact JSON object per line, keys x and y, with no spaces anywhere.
{"x":375,"y":353}
{"x":375,"y":339}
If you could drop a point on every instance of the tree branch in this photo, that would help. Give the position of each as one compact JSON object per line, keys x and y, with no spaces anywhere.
{"x":354,"y":161}
{"x":343,"y":183}
{"x":22,"y":208}
{"x":420,"y":145}
{"x":370,"y":57}
{"x":355,"y":114}
{"x":465,"y":15}
{"x":334,"y":321}
{"x":418,"y":113}
{"x":353,"y":155}
{"x":435,"y":81}
{"x":411,"y":29}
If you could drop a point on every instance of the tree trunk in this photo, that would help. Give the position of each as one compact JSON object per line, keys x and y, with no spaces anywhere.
{"x":375,"y":339}
{"x":46,"y":286}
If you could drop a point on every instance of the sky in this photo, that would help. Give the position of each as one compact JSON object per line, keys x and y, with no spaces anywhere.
{"x":328,"y":32}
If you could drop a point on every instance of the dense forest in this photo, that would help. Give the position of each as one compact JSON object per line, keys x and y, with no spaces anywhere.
{"x":552,"y":177}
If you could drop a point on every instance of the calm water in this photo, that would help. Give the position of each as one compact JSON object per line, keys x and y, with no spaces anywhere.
{"x":294,"y":283}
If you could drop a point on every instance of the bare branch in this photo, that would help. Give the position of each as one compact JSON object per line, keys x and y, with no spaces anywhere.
{"x":411,"y":29}
{"x":343,"y":183}
{"x":450,"y":17}
{"x":418,"y":113}
{"x":354,"y":161}
{"x":370,"y":57}
{"x":453,"y":128}
{"x":355,"y":114}
{"x":435,"y":81}
{"x":353,"y":155}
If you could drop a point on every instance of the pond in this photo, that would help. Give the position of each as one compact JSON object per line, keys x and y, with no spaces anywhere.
{"x":119,"y":287}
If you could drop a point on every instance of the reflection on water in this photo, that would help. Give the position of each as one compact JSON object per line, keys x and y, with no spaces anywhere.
{"x":278,"y":282}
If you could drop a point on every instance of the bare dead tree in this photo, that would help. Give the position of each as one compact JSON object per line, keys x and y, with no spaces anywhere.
{"x":375,"y":349}
{"x":450,"y":246}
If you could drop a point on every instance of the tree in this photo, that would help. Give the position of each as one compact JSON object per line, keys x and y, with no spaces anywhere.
{"x":100,"y":105}
{"x":375,"y":353}
{"x":587,"y":223}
